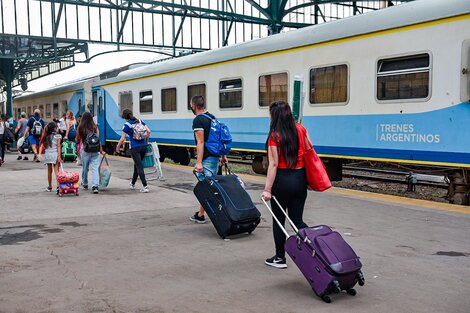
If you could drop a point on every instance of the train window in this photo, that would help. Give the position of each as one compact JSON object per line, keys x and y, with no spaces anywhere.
{"x":93,"y":108}
{"x":196,"y":90}
{"x":146,"y":101}
{"x":100,"y":106}
{"x":272,"y":88}
{"x":125,"y":100}
{"x":403,"y":77}
{"x":55,"y":109}
{"x":230,"y":94}
{"x":48,"y":111}
{"x":64,"y":106}
{"x":169,"y":100}
{"x":41,"y":108}
{"x":329,"y":84}
{"x":28,"y":111}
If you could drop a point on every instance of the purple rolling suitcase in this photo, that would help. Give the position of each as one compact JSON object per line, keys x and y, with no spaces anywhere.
{"x":328,"y":263}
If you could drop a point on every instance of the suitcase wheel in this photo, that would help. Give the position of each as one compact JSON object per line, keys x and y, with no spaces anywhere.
{"x":336,"y":286}
{"x":351,"y":292}
{"x":360,"y":278}
{"x":326,"y":298}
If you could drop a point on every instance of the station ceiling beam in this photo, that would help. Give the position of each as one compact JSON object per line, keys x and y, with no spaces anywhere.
{"x":35,"y":34}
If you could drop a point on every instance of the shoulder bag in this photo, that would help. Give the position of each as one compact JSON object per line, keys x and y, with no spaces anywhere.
{"x":317,"y":178}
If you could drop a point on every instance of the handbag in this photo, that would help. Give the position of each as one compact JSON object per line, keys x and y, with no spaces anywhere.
{"x":8,"y":136}
{"x":105,"y":172}
{"x":317,"y":178}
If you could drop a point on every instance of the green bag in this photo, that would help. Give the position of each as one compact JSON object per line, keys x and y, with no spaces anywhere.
{"x":149,"y":159}
{"x":69,"y":151}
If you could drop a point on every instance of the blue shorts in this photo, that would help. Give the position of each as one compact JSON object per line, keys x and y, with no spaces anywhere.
{"x":210,"y":166}
{"x":33,"y":140}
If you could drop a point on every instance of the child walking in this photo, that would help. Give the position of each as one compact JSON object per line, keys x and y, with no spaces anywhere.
{"x":51,"y":142}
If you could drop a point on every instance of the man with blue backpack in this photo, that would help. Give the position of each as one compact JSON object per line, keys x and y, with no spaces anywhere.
{"x":33,"y":131}
{"x":213,"y":143}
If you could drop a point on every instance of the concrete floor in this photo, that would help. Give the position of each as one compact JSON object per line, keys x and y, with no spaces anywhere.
{"x":122,"y":251}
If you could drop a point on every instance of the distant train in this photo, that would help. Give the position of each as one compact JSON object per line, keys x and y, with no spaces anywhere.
{"x":391,"y":85}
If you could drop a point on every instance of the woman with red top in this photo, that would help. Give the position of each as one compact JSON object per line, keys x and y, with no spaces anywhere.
{"x":286,"y":178}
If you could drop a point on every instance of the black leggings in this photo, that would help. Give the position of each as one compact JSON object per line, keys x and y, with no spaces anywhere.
{"x":2,"y":149}
{"x":290,"y":189}
{"x":138,"y":154}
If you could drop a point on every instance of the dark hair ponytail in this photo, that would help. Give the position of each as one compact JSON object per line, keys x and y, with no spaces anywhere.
{"x":49,"y":132}
{"x":127,"y":115}
{"x":283,"y":129}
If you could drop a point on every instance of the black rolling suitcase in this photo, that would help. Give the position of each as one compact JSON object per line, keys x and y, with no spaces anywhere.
{"x":227,"y":204}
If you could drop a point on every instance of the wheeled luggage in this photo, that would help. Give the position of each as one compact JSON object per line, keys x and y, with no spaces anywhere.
{"x":227,"y":204}
{"x":25,"y":147}
{"x":68,"y":182}
{"x":328,"y":262}
{"x":69,"y":150}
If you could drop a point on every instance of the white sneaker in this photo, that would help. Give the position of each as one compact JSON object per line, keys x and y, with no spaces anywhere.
{"x":145,"y":189}
{"x":131,"y":186}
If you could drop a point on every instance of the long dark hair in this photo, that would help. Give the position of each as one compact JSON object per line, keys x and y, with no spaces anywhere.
{"x":284,"y":131}
{"x":127,"y":115}
{"x":49,"y":132}
{"x":86,"y":125}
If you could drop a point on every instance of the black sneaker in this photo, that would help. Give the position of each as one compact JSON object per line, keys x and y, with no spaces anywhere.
{"x":198,"y":219}
{"x":276,"y":262}
{"x":25,"y":158}
{"x":95,"y":189}
{"x":19,"y":158}
{"x":85,"y":187}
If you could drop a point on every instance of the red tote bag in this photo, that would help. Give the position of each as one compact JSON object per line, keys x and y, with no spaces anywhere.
{"x":317,"y":178}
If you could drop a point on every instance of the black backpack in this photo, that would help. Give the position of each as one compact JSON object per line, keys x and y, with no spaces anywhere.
{"x":92,"y":143}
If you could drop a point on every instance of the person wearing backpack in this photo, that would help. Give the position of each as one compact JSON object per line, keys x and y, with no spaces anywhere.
{"x":20,"y":131}
{"x":34,"y":130}
{"x":211,"y":150}
{"x":88,"y":136}
{"x":139,"y":134}
{"x":71,"y":127}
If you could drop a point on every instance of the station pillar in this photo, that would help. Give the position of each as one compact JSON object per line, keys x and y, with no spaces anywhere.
{"x":7,"y":70}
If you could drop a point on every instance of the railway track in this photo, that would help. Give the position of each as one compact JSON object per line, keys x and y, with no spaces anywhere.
{"x":394,"y":176}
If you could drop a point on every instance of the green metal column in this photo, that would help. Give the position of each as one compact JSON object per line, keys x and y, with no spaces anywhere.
{"x":276,"y":8}
{"x":8,"y":71}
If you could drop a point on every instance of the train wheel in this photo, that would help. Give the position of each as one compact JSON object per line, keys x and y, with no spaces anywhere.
{"x":184,"y":157}
{"x":259,"y":165}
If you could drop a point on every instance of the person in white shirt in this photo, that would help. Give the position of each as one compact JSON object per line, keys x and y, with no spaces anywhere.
{"x":3,"y":124}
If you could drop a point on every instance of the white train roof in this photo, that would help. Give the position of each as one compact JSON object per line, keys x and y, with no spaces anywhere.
{"x":62,"y":88}
{"x":393,"y":17}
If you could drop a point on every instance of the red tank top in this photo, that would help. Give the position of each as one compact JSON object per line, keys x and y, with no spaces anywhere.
{"x":276,"y":142}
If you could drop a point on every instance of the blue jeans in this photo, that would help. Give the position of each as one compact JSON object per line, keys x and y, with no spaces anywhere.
{"x":90,"y":160}
{"x":210,"y":166}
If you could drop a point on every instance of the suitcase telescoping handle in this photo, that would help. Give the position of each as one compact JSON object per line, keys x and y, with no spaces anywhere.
{"x":296,"y":230}
{"x":201,"y":173}
{"x":275,"y":218}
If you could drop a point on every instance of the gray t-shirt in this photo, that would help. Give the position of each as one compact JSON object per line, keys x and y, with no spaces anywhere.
{"x":22,"y":124}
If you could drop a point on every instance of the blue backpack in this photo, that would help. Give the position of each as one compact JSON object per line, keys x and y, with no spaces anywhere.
{"x":220,"y":140}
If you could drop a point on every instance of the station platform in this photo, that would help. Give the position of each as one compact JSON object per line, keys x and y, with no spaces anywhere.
{"x":123,"y":251}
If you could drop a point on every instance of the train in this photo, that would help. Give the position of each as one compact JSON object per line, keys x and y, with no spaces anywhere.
{"x":391,"y":85}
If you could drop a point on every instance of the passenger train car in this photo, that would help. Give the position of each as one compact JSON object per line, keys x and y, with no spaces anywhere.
{"x":391,"y":85}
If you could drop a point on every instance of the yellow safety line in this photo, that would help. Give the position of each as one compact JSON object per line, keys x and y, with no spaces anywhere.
{"x":350,"y":193}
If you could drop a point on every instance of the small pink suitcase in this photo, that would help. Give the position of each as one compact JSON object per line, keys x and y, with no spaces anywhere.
{"x":68,"y":182}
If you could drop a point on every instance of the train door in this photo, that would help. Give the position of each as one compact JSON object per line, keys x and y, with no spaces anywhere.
{"x":465,"y":72}
{"x":99,"y":111}
{"x":80,"y":104}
